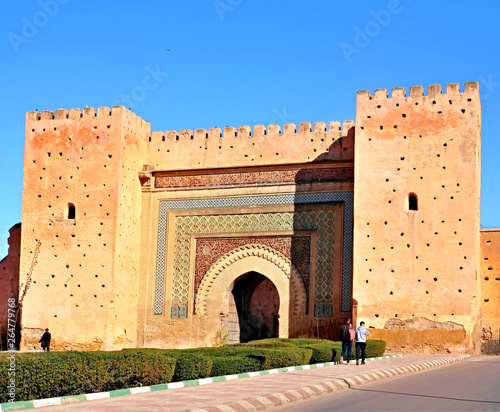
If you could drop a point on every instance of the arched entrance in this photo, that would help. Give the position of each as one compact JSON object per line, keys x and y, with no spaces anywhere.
{"x":256,"y":302}
{"x":214,"y":297}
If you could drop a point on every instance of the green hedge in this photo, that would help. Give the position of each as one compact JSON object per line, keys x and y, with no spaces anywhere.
{"x":374,"y":349}
{"x":190,"y":366}
{"x":53,"y":374}
{"x":274,"y":356}
{"x":321,"y":353}
{"x":232,"y":365}
{"x":48,"y":375}
{"x":321,"y":348}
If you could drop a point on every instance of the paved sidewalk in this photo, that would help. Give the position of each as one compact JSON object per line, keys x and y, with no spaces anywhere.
{"x":263,"y":391}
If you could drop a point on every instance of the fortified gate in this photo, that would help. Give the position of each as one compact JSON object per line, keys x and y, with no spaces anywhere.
{"x":179,"y":238}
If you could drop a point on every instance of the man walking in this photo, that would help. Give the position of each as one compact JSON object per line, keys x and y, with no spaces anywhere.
{"x":361,"y":334}
{"x":347,"y":334}
{"x":45,"y":341}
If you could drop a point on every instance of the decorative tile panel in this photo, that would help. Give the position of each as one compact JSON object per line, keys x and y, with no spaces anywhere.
{"x":322,"y":221}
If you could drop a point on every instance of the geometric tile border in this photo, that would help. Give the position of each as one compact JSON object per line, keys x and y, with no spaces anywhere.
{"x":286,"y":199}
{"x":319,"y":221}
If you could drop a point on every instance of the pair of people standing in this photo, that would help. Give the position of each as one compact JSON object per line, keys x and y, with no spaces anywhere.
{"x":347,"y":335}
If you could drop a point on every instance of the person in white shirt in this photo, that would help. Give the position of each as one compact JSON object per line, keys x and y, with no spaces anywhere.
{"x":361,"y":334}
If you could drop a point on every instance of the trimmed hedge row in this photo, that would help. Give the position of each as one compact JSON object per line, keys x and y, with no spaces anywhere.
{"x":238,"y":358}
{"x":48,"y":375}
{"x":374,"y":349}
{"x":325,"y":350}
{"x":54,"y":374}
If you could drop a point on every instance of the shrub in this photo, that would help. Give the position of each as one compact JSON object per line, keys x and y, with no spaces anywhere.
{"x":375,"y":348}
{"x":47,"y":375}
{"x":280,"y":358}
{"x":321,"y":353}
{"x":270,"y":343}
{"x":232,"y":365}
{"x":190,"y":366}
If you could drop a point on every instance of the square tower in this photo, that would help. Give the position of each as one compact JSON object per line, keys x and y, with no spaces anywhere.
{"x":416,"y":213}
{"x":82,"y":202}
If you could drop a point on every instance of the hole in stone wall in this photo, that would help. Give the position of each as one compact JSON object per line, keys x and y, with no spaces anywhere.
{"x":412,"y":202}
{"x":486,"y":300}
{"x":71,"y":211}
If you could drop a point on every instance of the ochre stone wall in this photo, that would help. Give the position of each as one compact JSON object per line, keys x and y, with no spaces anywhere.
{"x":240,"y":147}
{"x":418,"y":263}
{"x":490,"y":290}
{"x":81,"y":159}
{"x":9,"y":279}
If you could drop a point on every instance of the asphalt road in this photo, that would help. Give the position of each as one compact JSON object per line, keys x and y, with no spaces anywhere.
{"x":470,"y":385}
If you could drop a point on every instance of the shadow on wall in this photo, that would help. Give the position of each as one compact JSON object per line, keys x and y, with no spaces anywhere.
{"x":330,"y":172}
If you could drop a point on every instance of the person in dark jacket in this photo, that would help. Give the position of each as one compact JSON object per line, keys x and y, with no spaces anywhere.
{"x":45,"y":341}
{"x":347,"y":334}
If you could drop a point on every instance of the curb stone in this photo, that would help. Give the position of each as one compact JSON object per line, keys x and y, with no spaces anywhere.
{"x":338,"y":384}
{"x":63,"y":400}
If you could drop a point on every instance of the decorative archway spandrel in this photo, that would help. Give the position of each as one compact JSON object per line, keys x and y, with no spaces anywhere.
{"x":289,"y":278}
{"x":296,"y":248}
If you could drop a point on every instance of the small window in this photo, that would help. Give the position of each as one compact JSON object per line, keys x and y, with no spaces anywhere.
{"x":71,"y":211}
{"x":412,"y":201}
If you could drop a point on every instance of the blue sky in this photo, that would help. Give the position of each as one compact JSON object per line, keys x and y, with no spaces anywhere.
{"x":238,"y":62}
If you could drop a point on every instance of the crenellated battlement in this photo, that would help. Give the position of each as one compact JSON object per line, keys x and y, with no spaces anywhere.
{"x":251,"y":146}
{"x":433,"y":91}
{"x":73,"y":114}
{"x":272,"y":130}
{"x":101,"y":114}
{"x":403,"y":115}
